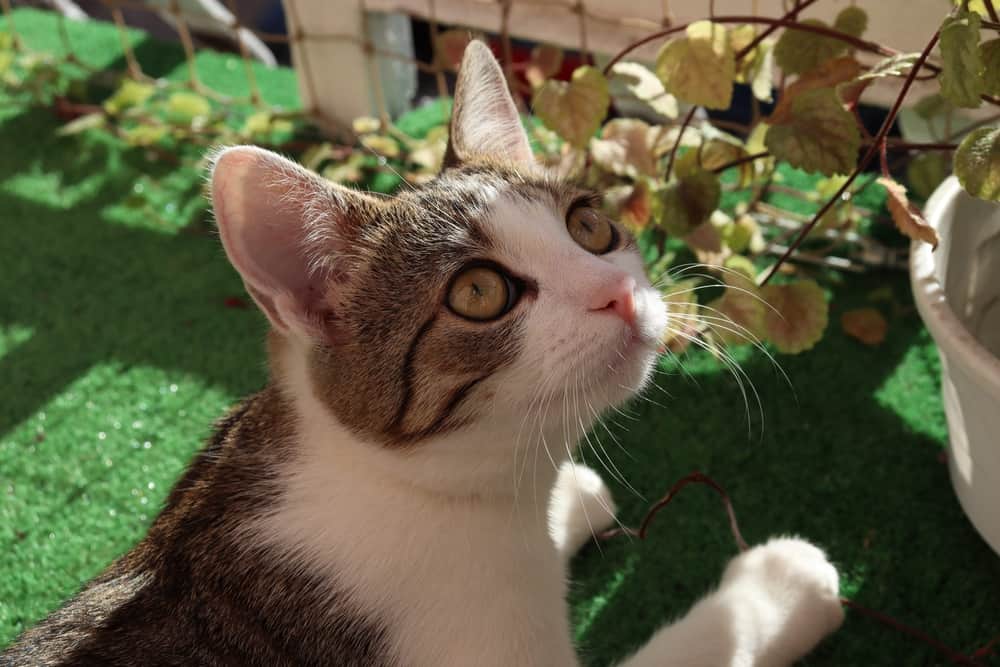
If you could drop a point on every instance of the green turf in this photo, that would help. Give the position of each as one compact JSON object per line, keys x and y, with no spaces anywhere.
{"x":117,"y":351}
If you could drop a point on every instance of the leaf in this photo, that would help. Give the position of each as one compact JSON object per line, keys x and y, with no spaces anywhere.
{"x":932,"y":106}
{"x":350,"y":170}
{"x":908,"y":218}
{"x":716,"y":153}
{"x":762,"y":72}
{"x":625,"y":148}
{"x":257,"y":124}
{"x":682,"y":315}
{"x":977,"y":163}
{"x":129,"y":94}
{"x":643,"y":85}
{"x":184,"y":108}
{"x":689,"y":201}
{"x":820,"y":135}
{"x":866,"y":324}
{"x":744,"y":234}
{"x":449,"y":47}
{"x":962,"y":68}
{"x":989,"y":53}
{"x":144,"y":135}
{"x":574,"y":110}
{"x":827,"y":75}
{"x":90,"y":121}
{"x":743,"y":306}
{"x":798,"y":51}
{"x":428,"y":153}
{"x":894,"y":66}
{"x":546,"y":61}
{"x":742,"y":266}
{"x":799,"y":315}
{"x":383,"y":146}
{"x":699,"y":68}
{"x":852,"y":20}
{"x":366,"y":125}
{"x":925,"y":172}
{"x":637,"y":207}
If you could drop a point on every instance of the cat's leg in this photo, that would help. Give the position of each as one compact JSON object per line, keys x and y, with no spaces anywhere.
{"x":580,"y":506}
{"x":775,"y":603}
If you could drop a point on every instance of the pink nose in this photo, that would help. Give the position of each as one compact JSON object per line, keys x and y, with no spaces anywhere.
{"x":618,"y":297}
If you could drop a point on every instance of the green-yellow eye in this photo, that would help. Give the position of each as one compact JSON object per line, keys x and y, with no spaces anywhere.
{"x":480,"y":293}
{"x":591,"y":230}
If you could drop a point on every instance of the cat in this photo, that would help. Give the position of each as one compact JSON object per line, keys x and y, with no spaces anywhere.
{"x":372,"y":505}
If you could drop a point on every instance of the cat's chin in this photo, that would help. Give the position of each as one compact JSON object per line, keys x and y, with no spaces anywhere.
{"x":628,"y":372}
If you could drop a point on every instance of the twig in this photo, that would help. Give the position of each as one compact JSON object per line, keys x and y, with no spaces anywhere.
{"x":869,"y":154}
{"x":743,"y":160}
{"x":792,"y":14}
{"x":677,"y":144}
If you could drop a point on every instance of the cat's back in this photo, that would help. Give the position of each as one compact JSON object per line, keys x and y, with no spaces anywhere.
{"x":198,"y":589}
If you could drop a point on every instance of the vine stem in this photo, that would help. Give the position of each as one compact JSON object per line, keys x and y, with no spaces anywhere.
{"x":953,"y":656}
{"x":793,"y":13}
{"x":865,"y":161}
{"x":783,"y":22}
{"x":677,"y":144}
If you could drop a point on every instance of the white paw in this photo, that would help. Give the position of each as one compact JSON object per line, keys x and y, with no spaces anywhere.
{"x":580,"y":506}
{"x":792,"y":589}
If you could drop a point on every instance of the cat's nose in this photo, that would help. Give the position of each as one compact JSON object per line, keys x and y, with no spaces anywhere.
{"x":618,"y":297}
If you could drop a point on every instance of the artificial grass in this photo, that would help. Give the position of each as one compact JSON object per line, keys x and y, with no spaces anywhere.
{"x":119,"y":346}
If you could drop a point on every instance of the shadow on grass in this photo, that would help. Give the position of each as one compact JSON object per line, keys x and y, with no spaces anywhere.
{"x":95,"y":284}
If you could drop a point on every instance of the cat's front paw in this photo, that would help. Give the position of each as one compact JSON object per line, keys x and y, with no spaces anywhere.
{"x":580,"y":507}
{"x":792,"y":589}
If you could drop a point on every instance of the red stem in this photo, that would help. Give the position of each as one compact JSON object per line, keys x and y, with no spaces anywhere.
{"x":677,"y":144}
{"x":792,"y":14}
{"x":869,"y":154}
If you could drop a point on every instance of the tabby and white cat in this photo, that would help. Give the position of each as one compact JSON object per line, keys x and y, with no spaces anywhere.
{"x":371,"y":505}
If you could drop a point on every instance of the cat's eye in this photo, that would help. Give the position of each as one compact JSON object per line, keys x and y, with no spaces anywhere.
{"x":481,"y":293}
{"x":591,"y":230}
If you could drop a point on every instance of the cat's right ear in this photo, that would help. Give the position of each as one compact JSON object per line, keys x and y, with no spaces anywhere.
{"x":286,"y":231}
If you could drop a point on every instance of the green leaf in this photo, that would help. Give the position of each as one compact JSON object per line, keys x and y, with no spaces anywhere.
{"x":962,"y":67}
{"x":925,"y":172}
{"x":184,"y":108}
{"x":6,"y":60}
{"x":383,"y":146}
{"x":798,"y":51}
{"x":797,"y":316}
{"x":744,"y":234}
{"x":932,"y":106}
{"x":820,"y":136}
{"x":908,"y":218}
{"x":144,"y":135}
{"x":699,"y":68}
{"x":89,"y":121}
{"x":256,"y":124}
{"x":977,"y":163}
{"x":128,"y":95}
{"x":989,"y":53}
{"x":852,"y":20}
{"x":829,"y":74}
{"x":643,"y":85}
{"x":689,"y":201}
{"x":574,"y":110}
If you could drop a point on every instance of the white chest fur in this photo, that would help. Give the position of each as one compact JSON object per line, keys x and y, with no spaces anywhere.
{"x":465,"y":579}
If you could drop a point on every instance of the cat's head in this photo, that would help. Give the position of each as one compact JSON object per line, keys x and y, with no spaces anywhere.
{"x":495,"y":293}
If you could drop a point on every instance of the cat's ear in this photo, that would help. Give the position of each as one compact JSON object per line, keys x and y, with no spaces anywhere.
{"x":484,"y":120}
{"x":287,"y":231}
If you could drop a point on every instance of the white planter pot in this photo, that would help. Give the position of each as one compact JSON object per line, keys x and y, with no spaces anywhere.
{"x":957,"y":290}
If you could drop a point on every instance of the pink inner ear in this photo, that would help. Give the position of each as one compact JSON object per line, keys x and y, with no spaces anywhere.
{"x":263,"y":205}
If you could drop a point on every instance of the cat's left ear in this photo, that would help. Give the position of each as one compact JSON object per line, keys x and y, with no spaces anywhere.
{"x":484,"y":121}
